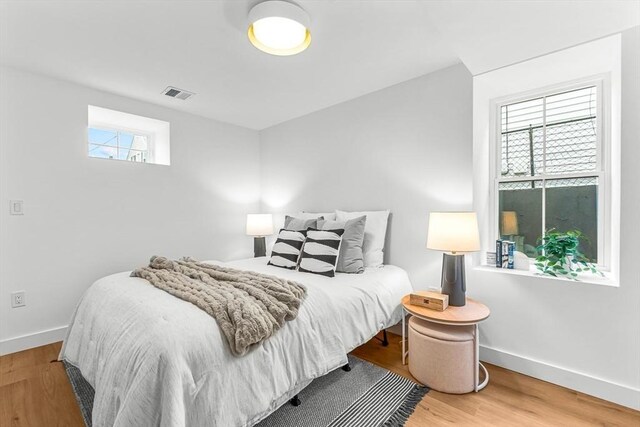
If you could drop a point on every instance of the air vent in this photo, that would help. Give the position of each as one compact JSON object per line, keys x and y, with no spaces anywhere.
{"x":174,"y":92}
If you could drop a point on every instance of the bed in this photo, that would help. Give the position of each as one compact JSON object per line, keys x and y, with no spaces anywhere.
{"x":154,"y":359}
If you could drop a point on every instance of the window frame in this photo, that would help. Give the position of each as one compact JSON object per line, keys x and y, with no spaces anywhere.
{"x":603,"y":158}
{"x":124,"y":129}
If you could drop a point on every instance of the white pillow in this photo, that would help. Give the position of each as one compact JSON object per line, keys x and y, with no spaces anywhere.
{"x":375,"y":233}
{"x":330,"y":216}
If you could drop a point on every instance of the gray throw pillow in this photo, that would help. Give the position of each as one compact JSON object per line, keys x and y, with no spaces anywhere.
{"x":300,"y":224}
{"x":350,"y":259}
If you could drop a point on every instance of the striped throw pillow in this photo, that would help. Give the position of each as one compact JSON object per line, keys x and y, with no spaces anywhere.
{"x":320,"y":252}
{"x":286,"y":250}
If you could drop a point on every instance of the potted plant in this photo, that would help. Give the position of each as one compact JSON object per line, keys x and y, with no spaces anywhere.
{"x":561,"y":256}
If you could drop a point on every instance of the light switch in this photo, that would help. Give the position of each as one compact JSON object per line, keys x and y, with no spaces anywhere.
{"x":16,"y":207}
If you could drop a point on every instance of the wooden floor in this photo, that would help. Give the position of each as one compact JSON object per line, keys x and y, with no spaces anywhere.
{"x":510,"y":399}
{"x":36,"y":392}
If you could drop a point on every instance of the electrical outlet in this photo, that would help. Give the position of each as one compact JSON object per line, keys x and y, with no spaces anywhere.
{"x":18,"y":299}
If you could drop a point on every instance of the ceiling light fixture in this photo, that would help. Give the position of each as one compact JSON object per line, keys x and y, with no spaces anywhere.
{"x":279,"y":28}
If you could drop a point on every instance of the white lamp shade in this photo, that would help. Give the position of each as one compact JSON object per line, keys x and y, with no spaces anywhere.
{"x":509,"y":223}
{"x":259,"y":225}
{"x":453,"y":232}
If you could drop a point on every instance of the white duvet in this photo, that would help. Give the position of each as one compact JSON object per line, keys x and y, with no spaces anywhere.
{"x":154,"y":359}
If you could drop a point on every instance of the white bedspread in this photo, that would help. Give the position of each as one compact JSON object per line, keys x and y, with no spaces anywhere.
{"x":154,"y":359}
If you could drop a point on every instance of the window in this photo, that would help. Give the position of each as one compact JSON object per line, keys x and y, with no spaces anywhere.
{"x":550,"y":168}
{"x":594,"y":67}
{"x":122,"y":136}
{"x":113,"y":144}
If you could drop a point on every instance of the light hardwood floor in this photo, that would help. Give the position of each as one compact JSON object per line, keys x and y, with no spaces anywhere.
{"x":35,"y":392}
{"x":510,"y":399}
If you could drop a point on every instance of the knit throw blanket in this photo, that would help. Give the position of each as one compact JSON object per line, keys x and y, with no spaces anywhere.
{"x":249,"y":307}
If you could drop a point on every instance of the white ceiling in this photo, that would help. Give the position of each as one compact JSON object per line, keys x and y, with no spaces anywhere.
{"x":488,"y":34}
{"x":137,"y":48}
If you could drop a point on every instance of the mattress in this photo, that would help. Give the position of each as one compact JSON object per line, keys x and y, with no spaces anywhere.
{"x":154,"y":359}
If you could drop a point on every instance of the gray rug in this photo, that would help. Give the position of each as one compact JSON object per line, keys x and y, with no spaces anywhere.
{"x":367,"y":396}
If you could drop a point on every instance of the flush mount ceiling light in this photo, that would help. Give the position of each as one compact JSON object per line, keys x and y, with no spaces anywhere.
{"x":279,"y":28}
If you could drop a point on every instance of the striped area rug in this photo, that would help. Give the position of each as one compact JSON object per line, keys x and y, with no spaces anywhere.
{"x":389,"y":402}
{"x":367,"y":396}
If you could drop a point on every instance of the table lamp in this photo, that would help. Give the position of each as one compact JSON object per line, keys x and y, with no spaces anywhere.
{"x":454,"y":233}
{"x":259,"y":226}
{"x":509,"y":223}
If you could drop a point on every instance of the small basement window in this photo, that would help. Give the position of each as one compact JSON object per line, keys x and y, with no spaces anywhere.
{"x":116,"y":135}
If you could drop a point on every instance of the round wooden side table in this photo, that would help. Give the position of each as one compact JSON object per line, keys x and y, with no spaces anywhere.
{"x":472,"y":313}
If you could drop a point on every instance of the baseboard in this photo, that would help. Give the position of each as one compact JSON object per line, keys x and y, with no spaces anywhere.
{"x":395,"y":329}
{"x":25,"y":342}
{"x":607,"y":390}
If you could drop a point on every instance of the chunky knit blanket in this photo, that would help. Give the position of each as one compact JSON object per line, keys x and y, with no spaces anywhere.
{"x":249,"y":307}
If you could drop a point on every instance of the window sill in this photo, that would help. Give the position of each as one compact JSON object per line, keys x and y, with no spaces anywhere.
{"x":589,"y":279}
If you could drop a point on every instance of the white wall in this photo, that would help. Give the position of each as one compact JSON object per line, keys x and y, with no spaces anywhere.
{"x":406,"y":148}
{"x":409,"y":148}
{"x":583,"y":336}
{"x":86,"y":218}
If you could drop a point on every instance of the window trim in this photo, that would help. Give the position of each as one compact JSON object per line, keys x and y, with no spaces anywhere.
{"x":602,"y":82}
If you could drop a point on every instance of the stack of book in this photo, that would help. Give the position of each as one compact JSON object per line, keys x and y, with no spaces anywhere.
{"x":504,"y":253}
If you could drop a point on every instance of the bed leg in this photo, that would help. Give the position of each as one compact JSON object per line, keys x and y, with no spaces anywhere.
{"x":346,"y":368}
{"x":295,"y":400}
{"x":384,"y":340}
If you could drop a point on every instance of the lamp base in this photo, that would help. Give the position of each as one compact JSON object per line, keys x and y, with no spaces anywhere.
{"x":453,"y":279}
{"x":259,"y":247}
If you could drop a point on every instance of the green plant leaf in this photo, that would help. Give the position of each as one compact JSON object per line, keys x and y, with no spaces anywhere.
{"x":562,"y":254}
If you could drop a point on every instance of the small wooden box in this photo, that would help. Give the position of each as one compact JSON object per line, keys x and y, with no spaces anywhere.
{"x":432,"y":300}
